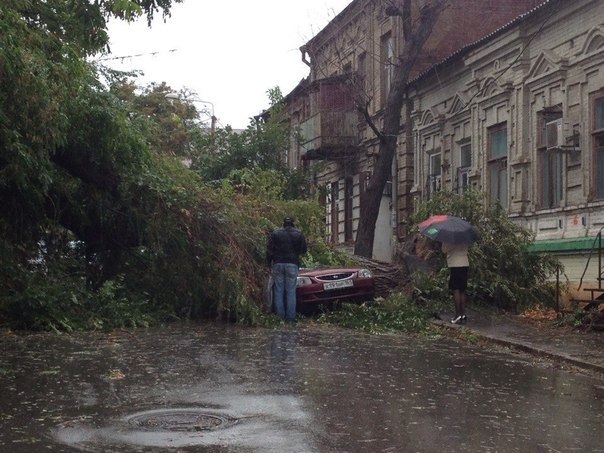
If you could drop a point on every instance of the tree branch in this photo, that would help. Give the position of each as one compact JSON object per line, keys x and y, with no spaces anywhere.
{"x":365,"y":111}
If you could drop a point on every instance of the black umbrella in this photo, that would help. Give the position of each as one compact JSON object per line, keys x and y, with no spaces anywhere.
{"x":448,"y":228}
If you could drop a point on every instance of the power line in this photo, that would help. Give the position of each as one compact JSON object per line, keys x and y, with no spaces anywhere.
{"x":145,"y":54}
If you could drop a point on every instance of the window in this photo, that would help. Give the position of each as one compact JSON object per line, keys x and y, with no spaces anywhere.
{"x":550,"y":162}
{"x":348,"y":199}
{"x":434,"y":174}
{"x":388,"y":189}
{"x":335,"y":192}
{"x":465,"y":162}
{"x":598,"y":144}
{"x":362,"y":81}
{"x":387,"y":59}
{"x":497,"y":150}
{"x":362,"y":70}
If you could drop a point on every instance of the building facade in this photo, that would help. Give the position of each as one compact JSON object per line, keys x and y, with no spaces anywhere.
{"x":507,"y":98}
{"x":519,"y":116}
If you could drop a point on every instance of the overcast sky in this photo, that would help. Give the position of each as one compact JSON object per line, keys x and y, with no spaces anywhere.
{"x":229,"y":52}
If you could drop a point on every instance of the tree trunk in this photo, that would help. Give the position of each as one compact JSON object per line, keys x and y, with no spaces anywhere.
{"x":372,"y":197}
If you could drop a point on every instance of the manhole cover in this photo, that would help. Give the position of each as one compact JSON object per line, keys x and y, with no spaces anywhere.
{"x":179,"y":420}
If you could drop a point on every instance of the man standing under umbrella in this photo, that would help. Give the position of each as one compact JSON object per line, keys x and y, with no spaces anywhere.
{"x":459,"y":265}
{"x":456,"y":236}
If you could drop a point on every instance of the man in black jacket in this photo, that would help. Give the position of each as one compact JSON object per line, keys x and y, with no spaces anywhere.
{"x":283,"y":250}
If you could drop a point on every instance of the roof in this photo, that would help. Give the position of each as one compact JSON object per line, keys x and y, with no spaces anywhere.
{"x":458,"y":53}
{"x":563,"y":245}
{"x":468,"y":47}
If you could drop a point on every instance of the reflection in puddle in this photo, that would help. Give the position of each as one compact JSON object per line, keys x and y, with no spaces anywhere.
{"x":159,"y":428}
{"x":257,"y":426}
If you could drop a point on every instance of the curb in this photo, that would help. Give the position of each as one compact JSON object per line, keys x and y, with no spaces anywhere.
{"x":527,"y":347}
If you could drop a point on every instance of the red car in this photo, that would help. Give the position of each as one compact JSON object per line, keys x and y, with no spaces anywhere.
{"x":328,"y":285}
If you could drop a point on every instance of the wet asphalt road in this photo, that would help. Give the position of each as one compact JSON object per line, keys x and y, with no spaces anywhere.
{"x":217,"y":388}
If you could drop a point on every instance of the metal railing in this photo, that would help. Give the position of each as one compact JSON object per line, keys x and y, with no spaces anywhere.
{"x":598,"y":240}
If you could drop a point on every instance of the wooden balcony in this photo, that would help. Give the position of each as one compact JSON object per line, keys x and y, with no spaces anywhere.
{"x":330,"y":135}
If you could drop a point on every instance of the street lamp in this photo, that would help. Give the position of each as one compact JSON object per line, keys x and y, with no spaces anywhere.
{"x":195,"y":99}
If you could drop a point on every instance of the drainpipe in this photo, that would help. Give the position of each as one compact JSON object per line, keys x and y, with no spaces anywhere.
{"x":304,"y":54}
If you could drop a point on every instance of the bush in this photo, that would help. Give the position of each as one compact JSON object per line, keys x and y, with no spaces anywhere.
{"x":113,"y":306}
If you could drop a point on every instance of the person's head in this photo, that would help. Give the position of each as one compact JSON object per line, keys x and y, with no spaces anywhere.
{"x":288,"y":221}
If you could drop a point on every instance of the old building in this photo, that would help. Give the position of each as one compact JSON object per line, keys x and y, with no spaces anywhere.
{"x":351,"y":63}
{"x":508,"y":98}
{"x":519,"y":115}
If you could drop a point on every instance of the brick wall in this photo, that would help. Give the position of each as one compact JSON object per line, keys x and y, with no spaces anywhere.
{"x":467,"y":21}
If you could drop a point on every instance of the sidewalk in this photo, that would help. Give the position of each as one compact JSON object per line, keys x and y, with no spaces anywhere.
{"x":581,"y":349}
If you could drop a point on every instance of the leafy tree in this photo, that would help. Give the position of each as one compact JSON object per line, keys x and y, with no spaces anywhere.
{"x":80,"y":23}
{"x":261,"y":145}
{"x":44,"y":81}
{"x":167,"y":123}
{"x":102,"y":225}
{"x":78,"y":186}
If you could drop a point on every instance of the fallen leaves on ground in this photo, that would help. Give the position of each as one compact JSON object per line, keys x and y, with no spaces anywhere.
{"x":116,"y":375}
{"x":539,"y":314}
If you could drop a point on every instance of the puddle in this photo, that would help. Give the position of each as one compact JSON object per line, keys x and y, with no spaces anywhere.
{"x":216,"y":388}
{"x":176,"y":427}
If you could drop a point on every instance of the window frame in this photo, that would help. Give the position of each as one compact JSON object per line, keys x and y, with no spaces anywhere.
{"x":550,"y":163}
{"x":597,"y":140}
{"x":362,"y":81}
{"x":497,"y":165}
{"x":434,"y":181}
{"x":348,"y":208}
{"x":335,"y":211}
{"x":387,"y":69}
{"x":463,"y":171}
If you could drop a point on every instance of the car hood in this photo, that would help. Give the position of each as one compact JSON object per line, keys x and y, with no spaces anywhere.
{"x":327,"y":271}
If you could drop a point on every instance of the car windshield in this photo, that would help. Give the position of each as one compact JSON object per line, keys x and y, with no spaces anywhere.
{"x":316,"y":268}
